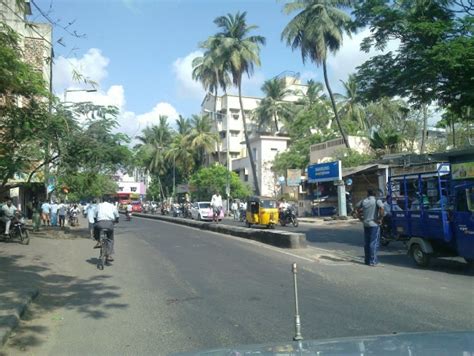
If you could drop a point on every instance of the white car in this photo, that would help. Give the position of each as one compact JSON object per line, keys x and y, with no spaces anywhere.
{"x":201,"y":210}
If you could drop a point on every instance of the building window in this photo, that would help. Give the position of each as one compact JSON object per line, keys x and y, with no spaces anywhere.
{"x":235,"y":116}
{"x":234,"y":133}
{"x":274,"y":149}
{"x":234,"y":155}
{"x":223,"y":134}
{"x":246,"y":178}
{"x":133,"y":189}
{"x":121,"y":189}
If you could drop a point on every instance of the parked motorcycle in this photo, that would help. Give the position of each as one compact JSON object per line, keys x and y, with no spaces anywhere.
{"x":288,"y":216}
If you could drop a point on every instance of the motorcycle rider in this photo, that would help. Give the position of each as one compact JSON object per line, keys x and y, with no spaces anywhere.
{"x":8,"y":212}
{"x":284,"y":206}
{"x":129,"y":210}
{"x":106,"y":215}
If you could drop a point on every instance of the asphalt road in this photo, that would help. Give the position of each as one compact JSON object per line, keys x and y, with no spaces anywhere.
{"x":347,"y":238}
{"x":174,"y":288}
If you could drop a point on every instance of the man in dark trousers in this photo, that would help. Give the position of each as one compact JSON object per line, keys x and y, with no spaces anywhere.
{"x":372,"y":211}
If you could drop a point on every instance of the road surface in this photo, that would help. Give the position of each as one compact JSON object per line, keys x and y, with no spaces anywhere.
{"x":174,"y":288}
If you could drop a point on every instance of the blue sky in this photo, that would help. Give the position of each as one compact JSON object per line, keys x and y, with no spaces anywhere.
{"x":139,"y":52}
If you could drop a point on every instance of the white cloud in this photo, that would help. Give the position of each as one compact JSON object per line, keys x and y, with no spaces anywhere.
{"x":152,"y":117}
{"x":92,"y":65}
{"x":185,"y":85}
{"x":345,"y":61}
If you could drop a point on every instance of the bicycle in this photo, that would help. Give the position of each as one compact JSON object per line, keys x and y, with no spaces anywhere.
{"x":105,"y":246}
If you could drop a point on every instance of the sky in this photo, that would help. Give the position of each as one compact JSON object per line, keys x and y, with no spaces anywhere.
{"x":139,"y":52}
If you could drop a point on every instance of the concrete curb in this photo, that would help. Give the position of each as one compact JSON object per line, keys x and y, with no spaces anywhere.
{"x":277,"y":238}
{"x":10,"y":316}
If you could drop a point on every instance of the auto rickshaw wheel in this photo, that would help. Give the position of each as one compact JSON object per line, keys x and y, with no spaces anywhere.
{"x":271,"y":226}
{"x":420,"y":257}
{"x":249,"y":224}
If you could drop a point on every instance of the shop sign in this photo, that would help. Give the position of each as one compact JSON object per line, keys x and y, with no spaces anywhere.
{"x":463,"y":170}
{"x":324,"y":172}
{"x":293,"y":177}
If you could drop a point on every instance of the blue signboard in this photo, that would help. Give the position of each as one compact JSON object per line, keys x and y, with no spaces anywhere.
{"x":324,"y":172}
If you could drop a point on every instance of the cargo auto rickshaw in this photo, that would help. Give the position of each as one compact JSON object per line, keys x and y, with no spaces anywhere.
{"x":262,"y":211}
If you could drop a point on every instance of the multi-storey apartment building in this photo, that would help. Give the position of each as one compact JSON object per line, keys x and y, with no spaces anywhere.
{"x":227,"y":122}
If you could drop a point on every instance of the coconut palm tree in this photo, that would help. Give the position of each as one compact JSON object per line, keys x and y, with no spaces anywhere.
{"x":239,"y":52}
{"x":201,"y":139}
{"x":154,"y":142}
{"x":317,"y":29}
{"x":352,"y":107}
{"x":184,"y":125}
{"x":273,"y":107}
{"x":209,"y":70}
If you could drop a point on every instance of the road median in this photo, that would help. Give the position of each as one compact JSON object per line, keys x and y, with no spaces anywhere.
{"x":283,"y":239}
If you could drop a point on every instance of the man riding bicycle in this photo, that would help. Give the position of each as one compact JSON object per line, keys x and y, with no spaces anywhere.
{"x":106,"y":215}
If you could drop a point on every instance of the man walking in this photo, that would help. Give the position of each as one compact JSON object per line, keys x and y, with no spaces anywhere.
{"x":54,"y":214}
{"x":372,"y":211}
{"x":62,"y":214}
{"x":45,"y":212}
{"x":216,"y":204}
{"x":90,"y":214}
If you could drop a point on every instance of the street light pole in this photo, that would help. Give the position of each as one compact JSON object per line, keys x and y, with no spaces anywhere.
{"x":227,"y":130}
{"x":174,"y":175}
{"x":77,"y":90}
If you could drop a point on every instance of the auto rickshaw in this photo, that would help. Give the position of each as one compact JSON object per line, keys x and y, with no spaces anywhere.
{"x":261,"y":211}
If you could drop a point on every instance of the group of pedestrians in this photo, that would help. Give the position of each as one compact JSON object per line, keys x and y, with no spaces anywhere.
{"x":54,"y":214}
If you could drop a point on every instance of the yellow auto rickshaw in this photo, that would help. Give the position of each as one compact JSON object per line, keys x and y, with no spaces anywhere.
{"x":262,"y":211}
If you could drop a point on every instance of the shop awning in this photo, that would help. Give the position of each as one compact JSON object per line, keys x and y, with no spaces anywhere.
{"x":359,"y":169}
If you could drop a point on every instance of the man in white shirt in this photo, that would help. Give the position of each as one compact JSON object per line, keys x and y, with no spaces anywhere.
{"x":8,"y":212}
{"x":45,"y":212}
{"x":54,"y":214}
{"x":216,"y":204}
{"x":106,"y":215}
{"x":90,"y":214}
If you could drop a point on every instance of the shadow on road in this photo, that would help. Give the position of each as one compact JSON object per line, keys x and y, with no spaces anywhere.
{"x":93,"y":297}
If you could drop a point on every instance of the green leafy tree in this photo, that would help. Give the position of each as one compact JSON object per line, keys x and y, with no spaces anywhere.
{"x":434,"y":60}
{"x":273,"y":107}
{"x":87,"y":186}
{"x":352,"y":158}
{"x":209,"y":179}
{"x":21,"y":150}
{"x":317,"y":30}
{"x":239,"y":52}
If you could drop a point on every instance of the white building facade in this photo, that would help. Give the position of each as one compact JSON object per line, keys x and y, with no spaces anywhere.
{"x":227,"y":122}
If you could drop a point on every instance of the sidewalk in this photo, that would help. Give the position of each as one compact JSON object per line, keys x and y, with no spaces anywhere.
{"x":328,"y":220}
{"x":24,"y":272}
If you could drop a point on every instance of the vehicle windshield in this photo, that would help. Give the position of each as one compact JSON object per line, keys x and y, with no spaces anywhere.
{"x":268,"y":204}
{"x":268,"y":133}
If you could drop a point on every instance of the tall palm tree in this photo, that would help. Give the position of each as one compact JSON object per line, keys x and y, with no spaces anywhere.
{"x":210,"y":71}
{"x":154,"y":142}
{"x":273,"y":107}
{"x":352,"y":107}
{"x":201,"y":138}
{"x":184,"y":125}
{"x":317,"y":29}
{"x":240,"y":53}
